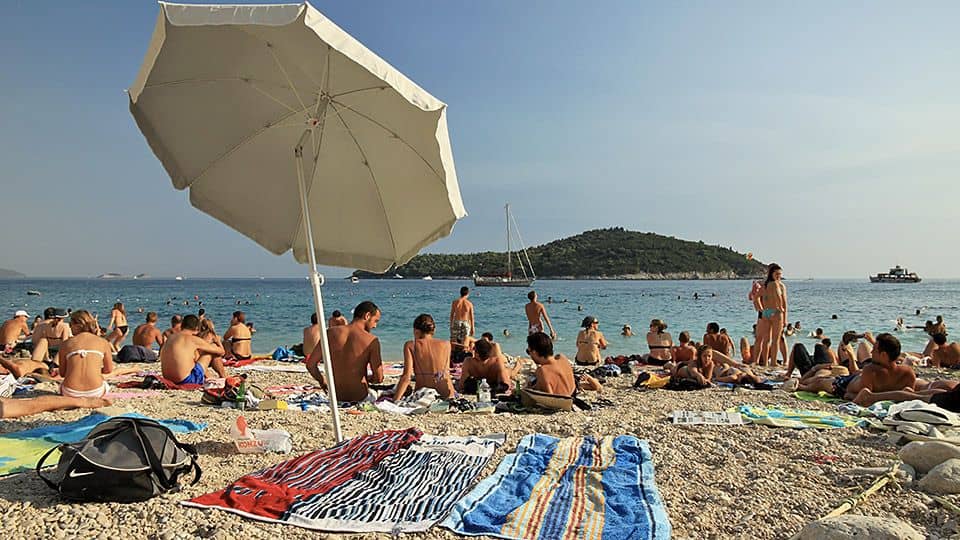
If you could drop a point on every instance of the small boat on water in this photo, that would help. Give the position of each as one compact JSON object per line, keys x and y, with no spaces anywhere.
{"x":896,"y":275}
{"x":33,"y":293}
{"x":427,"y":278}
{"x":179,"y":278}
{"x":397,"y":276}
{"x":354,"y":280}
{"x":508,"y":279}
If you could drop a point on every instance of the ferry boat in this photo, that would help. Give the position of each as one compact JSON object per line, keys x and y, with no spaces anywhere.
{"x":354,"y":280}
{"x":897,"y":274}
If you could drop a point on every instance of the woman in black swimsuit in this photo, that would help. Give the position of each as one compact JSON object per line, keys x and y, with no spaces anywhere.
{"x":118,"y":322}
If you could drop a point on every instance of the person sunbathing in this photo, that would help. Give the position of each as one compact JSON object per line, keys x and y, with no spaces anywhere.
{"x":717,"y":341}
{"x":15,"y":408}
{"x":12,"y":329}
{"x":699,"y":370}
{"x":685,"y":352}
{"x":50,"y":334}
{"x":186,"y":357}
{"x":554,"y":373}
{"x":353,"y":349}
{"x":237,"y":337}
{"x":85,"y":358}
{"x":147,"y":334}
{"x":883,"y":374}
{"x":427,"y":359}
{"x":823,"y":359}
{"x":660,"y":343}
{"x":590,"y":341}
{"x":945,"y":355}
{"x":485,"y":364}
{"x":746,"y":352}
{"x":944,"y":394}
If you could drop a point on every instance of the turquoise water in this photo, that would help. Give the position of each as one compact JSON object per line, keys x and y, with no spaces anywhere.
{"x":280,"y":308}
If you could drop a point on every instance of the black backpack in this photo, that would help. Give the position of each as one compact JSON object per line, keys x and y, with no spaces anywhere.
{"x":122,"y":460}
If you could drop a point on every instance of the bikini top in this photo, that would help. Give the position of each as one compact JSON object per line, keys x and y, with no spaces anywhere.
{"x":84,"y":352}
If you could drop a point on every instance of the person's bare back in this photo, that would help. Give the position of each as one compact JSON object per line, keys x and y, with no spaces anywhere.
{"x":12,"y":329}
{"x":947,"y":355}
{"x":147,"y":334}
{"x":183,"y":353}
{"x":352,"y":349}
{"x":311,"y":337}
{"x":431,"y":364}
{"x":84,"y":359}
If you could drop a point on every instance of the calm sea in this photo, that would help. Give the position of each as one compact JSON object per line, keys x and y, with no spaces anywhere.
{"x":280,"y":308}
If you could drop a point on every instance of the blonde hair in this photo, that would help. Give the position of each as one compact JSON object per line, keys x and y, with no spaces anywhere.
{"x":87,"y":323}
{"x":206,"y":328}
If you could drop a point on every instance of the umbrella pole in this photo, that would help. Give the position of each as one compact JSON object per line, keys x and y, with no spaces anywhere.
{"x":316,"y":280}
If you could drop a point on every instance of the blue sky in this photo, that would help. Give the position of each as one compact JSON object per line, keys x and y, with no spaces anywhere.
{"x":820,"y":135}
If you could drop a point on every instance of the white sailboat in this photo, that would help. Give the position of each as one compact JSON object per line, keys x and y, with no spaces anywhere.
{"x":508,"y":279}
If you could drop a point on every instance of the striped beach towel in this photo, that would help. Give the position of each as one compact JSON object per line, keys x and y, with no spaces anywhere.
{"x":567,"y":489}
{"x":393,"y":481}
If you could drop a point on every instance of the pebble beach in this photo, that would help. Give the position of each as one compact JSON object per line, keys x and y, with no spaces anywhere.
{"x":748,"y":481}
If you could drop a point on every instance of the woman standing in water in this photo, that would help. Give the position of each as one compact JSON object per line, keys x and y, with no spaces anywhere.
{"x":774,"y":313}
{"x":118,"y":322}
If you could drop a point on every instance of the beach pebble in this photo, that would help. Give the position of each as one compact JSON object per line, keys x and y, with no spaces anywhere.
{"x":944,"y":479}
{"x":850,"y":527}
{"x":924,"y":456}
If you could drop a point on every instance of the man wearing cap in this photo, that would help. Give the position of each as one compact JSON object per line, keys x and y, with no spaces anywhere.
{"x":12,"y":329}
{"x":50,"y":334}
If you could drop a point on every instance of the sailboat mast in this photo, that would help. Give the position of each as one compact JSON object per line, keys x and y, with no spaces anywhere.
{"x":507,"y":210}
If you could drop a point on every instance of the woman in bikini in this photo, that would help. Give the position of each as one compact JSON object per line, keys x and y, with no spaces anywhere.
{"x":699,"y":370}
{"x":85,"y":358}
{"x":590,"y":341}
{"x":118,"y":323}
{"x":426,"y":359}
{"x":660,"y":343}
{"x":773,"y":299}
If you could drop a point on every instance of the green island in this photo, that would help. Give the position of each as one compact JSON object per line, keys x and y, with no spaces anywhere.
{"x":614,"y":253}
{"x":4,"y":273}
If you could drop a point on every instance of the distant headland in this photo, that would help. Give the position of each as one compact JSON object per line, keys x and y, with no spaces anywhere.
{"x":614,"y":253}
{"x":4,"y":273}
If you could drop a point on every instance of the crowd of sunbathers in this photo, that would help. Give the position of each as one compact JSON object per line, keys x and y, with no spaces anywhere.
{"x":72,"y":348}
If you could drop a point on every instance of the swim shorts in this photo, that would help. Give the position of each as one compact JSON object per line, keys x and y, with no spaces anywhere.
{"x":840,"y":385}
{"x":197,"y":376}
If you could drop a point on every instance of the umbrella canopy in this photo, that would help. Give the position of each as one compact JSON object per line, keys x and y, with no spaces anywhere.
{"x":290,"y":131}
{"x":226,"y":92}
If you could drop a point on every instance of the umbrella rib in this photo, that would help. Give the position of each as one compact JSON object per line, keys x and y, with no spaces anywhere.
{"x":348,"y":92}
{"x":248,"y":80}
{"x":391,"y":132}
{"x":285,"y":76}
{"x":366,"y":162}
{"x":237,"y":146}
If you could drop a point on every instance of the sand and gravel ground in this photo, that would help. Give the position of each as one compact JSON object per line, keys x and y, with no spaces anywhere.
{"x":718,"y":482}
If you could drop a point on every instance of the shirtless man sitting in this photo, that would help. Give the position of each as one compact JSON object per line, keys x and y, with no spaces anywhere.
{"x":184,"y":358}
{"x":352,"y":349}
{"x":945,"y":355}
{"x":427,"y":359}
{"x":336,"y":319}
{"x":883,"y":374}
{"x":485,"y":364}
{"x":537,"y":315}
{"x":147,"y":333}
{"x":237,"y":338}
{"x":175,"y":322}
{"x":311,"y":335}
{"x":11,"y":331}
{"x":717,"y":341}
{"x":554,"y":373}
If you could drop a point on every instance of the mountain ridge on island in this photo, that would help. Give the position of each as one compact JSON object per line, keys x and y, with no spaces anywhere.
{"x":613,"y":253}
{"x":5,"y":273}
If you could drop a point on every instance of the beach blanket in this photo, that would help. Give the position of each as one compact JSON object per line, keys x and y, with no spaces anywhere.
{"x":233,"y":362}
{"x":393,"y":481}
{"x":291,"y":368}
{"x":824,"y":397}
{"x":577,"y":487}
{"x":132,"y":395}
{"x":20,"y":451}
{"x":796,"y":418}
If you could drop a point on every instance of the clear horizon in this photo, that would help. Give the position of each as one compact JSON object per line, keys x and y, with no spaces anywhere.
{"x":813,"y":136}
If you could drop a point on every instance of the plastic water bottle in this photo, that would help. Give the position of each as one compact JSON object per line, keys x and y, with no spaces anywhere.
{"x":483,"y":392}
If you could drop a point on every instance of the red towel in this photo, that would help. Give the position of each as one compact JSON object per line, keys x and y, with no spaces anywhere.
{"x":270,"y":492}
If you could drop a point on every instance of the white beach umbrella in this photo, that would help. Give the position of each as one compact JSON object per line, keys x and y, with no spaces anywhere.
{"x":290,"y":131}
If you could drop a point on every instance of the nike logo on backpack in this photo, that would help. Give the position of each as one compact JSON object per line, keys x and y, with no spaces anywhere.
{"x":74,"y":474}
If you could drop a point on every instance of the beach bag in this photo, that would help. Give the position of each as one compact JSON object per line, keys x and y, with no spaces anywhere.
{"x":122,"y":460}
{"x":135,"y":353}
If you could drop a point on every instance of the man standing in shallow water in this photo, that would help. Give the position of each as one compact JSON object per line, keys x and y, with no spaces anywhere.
{"x":461,"y":317}
{"x":535,"y":312}
{"x":352,"y":349}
